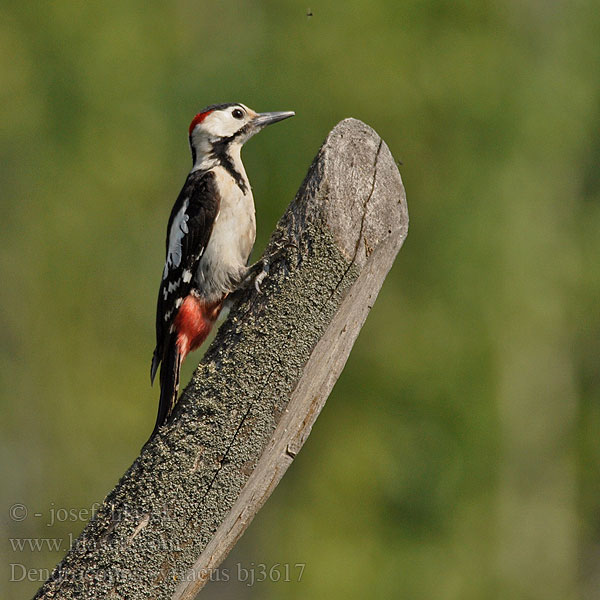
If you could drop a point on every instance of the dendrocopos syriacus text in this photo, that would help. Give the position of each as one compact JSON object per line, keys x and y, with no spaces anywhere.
{"x":210,"y":235}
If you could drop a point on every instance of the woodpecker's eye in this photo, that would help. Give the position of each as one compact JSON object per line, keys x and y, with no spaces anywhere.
{"x":237,"y":113}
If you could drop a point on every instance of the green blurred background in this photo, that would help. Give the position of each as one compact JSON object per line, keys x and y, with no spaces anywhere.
{"x":458,"y":456}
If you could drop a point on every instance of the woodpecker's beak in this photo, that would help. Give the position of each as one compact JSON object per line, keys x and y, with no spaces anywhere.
{"x":264,"y":119}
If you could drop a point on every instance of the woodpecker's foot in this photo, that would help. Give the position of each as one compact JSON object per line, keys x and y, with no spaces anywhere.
{"x":256,"y":274}
{"x":260,"y":277}
{"x":251,"y":274}
{"x":279,"y":247}
{"x":259,"y":271}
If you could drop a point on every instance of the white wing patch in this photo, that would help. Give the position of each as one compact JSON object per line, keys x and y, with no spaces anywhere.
{"x":178,"y":230}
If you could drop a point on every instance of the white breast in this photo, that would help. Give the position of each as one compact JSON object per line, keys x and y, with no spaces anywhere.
{"x":225,"y":259}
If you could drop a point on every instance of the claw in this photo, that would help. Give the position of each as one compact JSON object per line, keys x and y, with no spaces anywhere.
{"x":280,"y":247}
{"x":264,"y":262}
{"x":260,"y":278}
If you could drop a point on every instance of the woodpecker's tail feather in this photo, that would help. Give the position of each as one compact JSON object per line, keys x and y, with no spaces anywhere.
{"x":154,"y":366}
{"x":169,"y":382}
{"x":193,"y":323}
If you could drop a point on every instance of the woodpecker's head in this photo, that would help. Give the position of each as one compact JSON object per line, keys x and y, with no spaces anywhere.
{"x":223,"y":128}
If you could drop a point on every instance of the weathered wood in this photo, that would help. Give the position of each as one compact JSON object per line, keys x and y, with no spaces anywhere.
{"x":251,"y":403}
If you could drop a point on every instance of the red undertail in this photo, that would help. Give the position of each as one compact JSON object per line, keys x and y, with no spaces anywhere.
{"x":194,"y":322}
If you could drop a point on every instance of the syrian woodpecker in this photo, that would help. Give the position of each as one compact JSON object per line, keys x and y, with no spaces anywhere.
{"x":210,"y":235}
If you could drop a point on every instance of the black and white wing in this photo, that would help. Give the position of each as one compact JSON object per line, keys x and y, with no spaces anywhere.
{"x":189,"y":229}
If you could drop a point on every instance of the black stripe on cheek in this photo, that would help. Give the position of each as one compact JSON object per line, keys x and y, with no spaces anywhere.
{"x":219,"y":152}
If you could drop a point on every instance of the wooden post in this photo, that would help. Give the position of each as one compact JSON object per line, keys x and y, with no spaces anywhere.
{"x":194,"y":489}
